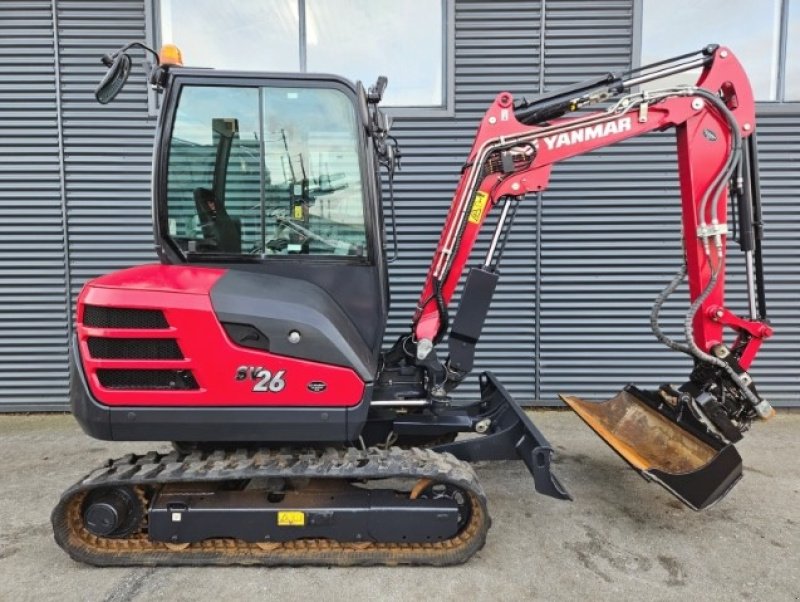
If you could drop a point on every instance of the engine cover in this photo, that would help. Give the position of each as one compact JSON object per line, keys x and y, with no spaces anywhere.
{"x":150,"y":336}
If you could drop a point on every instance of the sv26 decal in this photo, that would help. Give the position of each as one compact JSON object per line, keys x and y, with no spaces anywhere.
{"x":264,"y":380}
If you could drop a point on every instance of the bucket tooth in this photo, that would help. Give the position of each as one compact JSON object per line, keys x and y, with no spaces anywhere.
{"x":695,"y":470}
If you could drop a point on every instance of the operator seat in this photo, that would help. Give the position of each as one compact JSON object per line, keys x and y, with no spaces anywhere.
{"x":220,"y":229}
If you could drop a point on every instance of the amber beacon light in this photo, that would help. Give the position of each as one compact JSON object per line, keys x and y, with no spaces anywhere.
{"x":170,"y":54}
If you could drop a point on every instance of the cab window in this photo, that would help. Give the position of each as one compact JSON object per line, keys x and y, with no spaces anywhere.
{"x":268,"y":171}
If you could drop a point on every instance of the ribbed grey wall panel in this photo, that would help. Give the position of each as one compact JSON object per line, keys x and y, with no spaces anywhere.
{"x":603,"y":216}
{"x":108,"y":148}
{"x":608,"y":237}
{"x":496,"y":49}
{"x":33,"y":317}
{"x":777,"y":369}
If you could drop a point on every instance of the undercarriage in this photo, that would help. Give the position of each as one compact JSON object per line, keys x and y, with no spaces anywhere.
{"x":275,"y":507}
{"x":365,"y":504}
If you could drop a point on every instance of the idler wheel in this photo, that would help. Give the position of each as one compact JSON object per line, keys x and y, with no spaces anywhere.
{"x":112,"y":512}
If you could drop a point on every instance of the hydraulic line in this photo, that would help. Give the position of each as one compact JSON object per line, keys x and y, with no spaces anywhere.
{"x":712,"y":194}
{"x":655,"y":312}
{"x":441,"y":307}
{"x":760,"y":406}
{"x":626,"y":104}
{"x":713,"y":191}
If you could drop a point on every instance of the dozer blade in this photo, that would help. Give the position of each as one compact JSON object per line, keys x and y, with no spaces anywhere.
{"x":510,"y":436}
{"x":696,"y":470}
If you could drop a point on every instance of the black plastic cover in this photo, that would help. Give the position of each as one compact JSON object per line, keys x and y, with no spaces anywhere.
{"x":278,"y":306}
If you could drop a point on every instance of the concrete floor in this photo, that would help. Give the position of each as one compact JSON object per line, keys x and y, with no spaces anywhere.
{"x":621,"y":539}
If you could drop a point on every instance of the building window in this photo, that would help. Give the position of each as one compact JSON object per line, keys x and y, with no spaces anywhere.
{"x":359,"y":39}
{"x":759,"y":33}
{"x":245,"y":35}
{"x":792,"y":78}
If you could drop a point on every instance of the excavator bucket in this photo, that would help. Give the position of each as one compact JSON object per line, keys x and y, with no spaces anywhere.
{"x":691,"y":466}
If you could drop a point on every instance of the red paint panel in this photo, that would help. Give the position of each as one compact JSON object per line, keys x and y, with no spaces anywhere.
{"x":182,"y":293}
{"x":166,"y":278}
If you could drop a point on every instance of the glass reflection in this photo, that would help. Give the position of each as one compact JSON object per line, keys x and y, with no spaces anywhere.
{"x":361,"y":40}
{"x":265,"y":172}
{"x":792,"y":90}
{"x":750,"y":29}
{"x":252,"y":35}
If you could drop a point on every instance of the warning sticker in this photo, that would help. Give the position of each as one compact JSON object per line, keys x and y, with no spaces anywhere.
{"x":298,"y":212}
{"x":478,"y":205}
{"x":291,"y":518}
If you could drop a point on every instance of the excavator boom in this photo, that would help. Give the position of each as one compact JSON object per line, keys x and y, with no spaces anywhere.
{"x":680,"y":431}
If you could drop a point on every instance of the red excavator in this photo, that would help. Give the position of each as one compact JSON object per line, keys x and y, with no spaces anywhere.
{"x":255,"y":345}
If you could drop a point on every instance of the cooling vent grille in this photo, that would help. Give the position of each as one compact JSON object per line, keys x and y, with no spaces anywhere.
{"x":169,"y":380}
{"x":123,"y":317}
{"x":134,"y":349}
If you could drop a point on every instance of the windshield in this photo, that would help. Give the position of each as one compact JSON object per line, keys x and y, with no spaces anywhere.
{"x":265,"y":172}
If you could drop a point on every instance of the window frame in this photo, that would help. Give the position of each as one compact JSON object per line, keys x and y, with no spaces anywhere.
{"x":192,"y":77}
{"x":446,"y":109}
{"x":780,"y":104}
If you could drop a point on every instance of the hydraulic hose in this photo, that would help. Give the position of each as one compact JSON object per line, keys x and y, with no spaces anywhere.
{"x":656,"y":311}
{"x":712,"y":193}
{"x":715,"y":190}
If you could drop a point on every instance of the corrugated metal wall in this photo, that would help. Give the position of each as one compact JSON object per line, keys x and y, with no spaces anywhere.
{"x":778,"y":367}
{"x":33,"y":324}
{"x":47,"y":250}
{"x":107,"y":148}
{"x":496,"y":49}
{"x":605,"y":234}
{"x":610,"y":229}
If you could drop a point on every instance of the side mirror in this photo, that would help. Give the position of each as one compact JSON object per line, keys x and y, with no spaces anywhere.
{"x":119,"y":68}
{"x":375,"y":94}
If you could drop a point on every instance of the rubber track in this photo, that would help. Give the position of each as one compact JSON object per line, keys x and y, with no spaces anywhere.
{"x":154,"y":469}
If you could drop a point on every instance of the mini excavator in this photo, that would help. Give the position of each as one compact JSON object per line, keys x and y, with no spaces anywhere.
{"x":255,"y":345}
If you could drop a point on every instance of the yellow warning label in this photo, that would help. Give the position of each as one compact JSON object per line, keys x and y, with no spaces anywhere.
{"x":298,"y":212}
{"x":478,"y":205}
{"x":291,"y":518}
